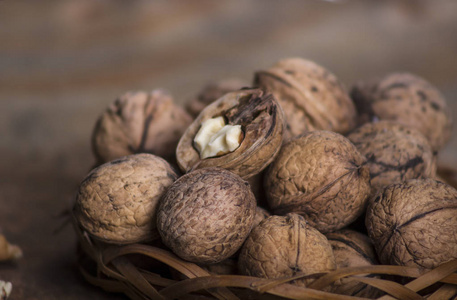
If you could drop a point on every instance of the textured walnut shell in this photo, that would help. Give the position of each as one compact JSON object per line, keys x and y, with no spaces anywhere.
{"x":139,"y":122}
{"x":285,"y":246}
{"x":117,"y":202}
{"x":260,"y":215}
{"x":394,"y":152}
{"x":407,"y":99}
{"x":262,"y":122}
{"x":312,"y":98}
{"x":321,"y":176}
{"x":352,"y":249}
{"x":206,"y":215}
{"x":211,"y":93}
{"x":414,"y":223}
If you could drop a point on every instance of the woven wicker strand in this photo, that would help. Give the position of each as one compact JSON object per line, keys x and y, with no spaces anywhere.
{"x":116,"y":273}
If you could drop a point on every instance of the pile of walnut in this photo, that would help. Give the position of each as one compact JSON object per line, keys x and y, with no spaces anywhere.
{"x":278,"y":179}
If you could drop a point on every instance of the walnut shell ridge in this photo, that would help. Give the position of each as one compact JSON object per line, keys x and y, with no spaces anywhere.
{"x":394,"y":152}
{"x":206,"y":215}
{"x":285,"y":246}
{"x":407,"y":99}
{"x":414,"y":223}
{"x":139,"y":122}
{"x":321,"y":176}
{"x":262,"y":122}
{"x":117,"y":202}
{"x":312,"y":98}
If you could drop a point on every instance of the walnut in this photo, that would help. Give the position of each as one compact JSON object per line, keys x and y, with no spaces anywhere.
{"x":407,"y":99}
{"x":321,"y":176}
{"x":312,"y":98}
{"x":394,"y":152}
{"x":8,"y":251}
{"x":285,"y":246}
{"x":260,"y":215}
{"x":414,"y":223}
{"x":352,"y":249}
{"x":117,"y":202}
{"x":139,"y":122}
{"x":261,"y":121}
{"x":211,"y":93}
{"x":206,"y":215}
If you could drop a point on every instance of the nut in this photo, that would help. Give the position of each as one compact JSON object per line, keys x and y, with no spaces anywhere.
{"x":139,"y":122}
{"x":312,"y":98}
{"x":321,"y":176}
{"x":285,"y":246}
{"x":211,"y":93}
{"x":262,"y":123}
{"x":206,"y":215}
{"x":8,"y":251}
{"x":352,"y":249}
{"x":407,"y":99}
{"x":215,"y":138}
{"x":394,"y":152}
{"x":117,"y":202}
{"x":260,"y":215}
{"x":414,"y":223}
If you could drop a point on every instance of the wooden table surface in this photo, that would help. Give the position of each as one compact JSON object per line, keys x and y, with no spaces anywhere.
{"x":62,"y":62}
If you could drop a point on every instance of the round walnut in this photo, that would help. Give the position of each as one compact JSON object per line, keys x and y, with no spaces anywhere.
{"x":285,"y":246}
{"x":211,"y":93}
{"x":352,"y":249}
{"x":321,"y":176}
{"x":117,"y":202}
{"x":407,"y":99}
{"x":394,"y":152}
{"x":139,"y":122}
{"x":414,"y":223}
{"x":241,"y":132}
{"x":206,"y":215}
{"x":312,"y":98}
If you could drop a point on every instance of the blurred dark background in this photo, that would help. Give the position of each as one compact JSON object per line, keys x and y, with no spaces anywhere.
{"x":62,"y":62}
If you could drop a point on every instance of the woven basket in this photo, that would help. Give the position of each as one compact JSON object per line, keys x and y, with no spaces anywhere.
{"x":147,"y":271}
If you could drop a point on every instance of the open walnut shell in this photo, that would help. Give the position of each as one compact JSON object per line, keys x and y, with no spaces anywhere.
{"x":262,"y":124}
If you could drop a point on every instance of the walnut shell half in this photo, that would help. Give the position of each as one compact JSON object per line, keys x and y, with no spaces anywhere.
{"x":262,"y":123}
{"x":206,"y":215}
{"x":414,"y":223}
{"x":117,"y":202}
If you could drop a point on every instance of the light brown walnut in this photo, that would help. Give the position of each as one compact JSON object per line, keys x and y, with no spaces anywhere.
{"x":414,"y":223}
{"x":285,"y":246}
{"x":139,"y":122}
{"x":352,"y":249}
{"x":408,"y":99}
{"x":321,"y":176}
{"x":312,"y":98}
{"x":394,"y":152}
{"x":117,"y":202}
{"x":206,"y":215}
